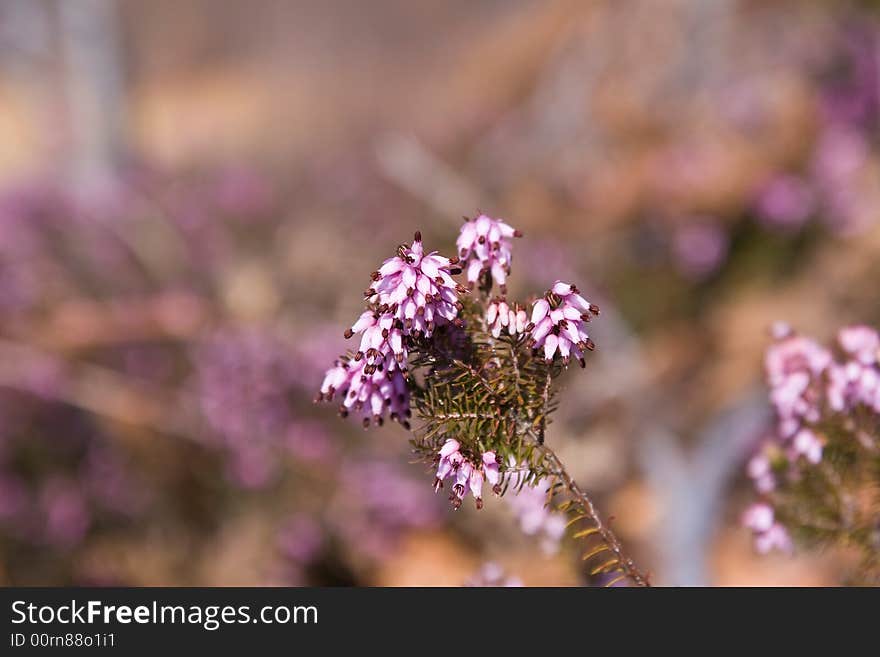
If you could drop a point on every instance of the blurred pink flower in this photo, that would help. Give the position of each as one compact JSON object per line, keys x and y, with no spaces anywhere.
{"x":839,"y":157}
{"x":775,"y":538}
{"x":66,"y":514}
{"x":761,"y":472}
{"x":491,"y":574}
{"x":785,"y":202}
{"x":13,"y":496}
{"x":376,"y":503}
{"x":862,"y":342}
{"x":241,"y":192}
{"x":792,"y":364}
{"x":768,"y":534}
{"x":758,"y":517}
{"x":699,"y":249}
{"x":808,"y":445}
{"x":300,"y":538}
{"x":529,"y":504}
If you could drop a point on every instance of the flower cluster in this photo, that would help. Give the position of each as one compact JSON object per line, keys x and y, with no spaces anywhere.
{"x":769,"y":534}
{"x":501,"y":316}
{"x":484,"y":245}
{"x":411,"y":294}
{"x":807,"y":384}
{"x":468,"y":474}
{"x":817,"y":393}
{"x":856,"y":381}
{"x":559,"y":321}
{"x":369,"y":390}
{"x":794,"y":364}
{"x":414,"y":318}
{"x":416,"y":289}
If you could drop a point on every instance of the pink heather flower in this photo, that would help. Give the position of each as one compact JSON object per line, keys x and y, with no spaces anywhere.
{"x":856,"y":380}
{"x":468,"y":476}
{"x":761,"y":473}
{"x":416,"y":289}
{"x":862,"y":342}
{"x":780,"y":330}
{"x":775,"y":538}
{"x":476,"y":485}
{"x":806,"y":444}
{"x":793,"y":364}
{"x":462,"y":481}
{"x":839,"y":159}
{"x":381,"y":335}
{"x":809,"y":386}
{"x":758,"y":517}
{"x":840,"y":153}
{"x":410,"y":295}
{"x":700,"y":249}
{"x":502,"y":317}
{"x":785,"y":202}
{"x":852,"y":383}
{"x":491,"y":574}
{"x":806,"y":384}
{"x":450,"y":459}
{"x":769,"y":535}
{"x":559,"y":321}
{"x":369,"y":390}
{"x":492,"y":472}
{"x":484,"y":245}
{"x":838,"y":388}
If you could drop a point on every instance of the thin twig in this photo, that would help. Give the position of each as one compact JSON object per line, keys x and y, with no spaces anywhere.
{"x":626,"y":564}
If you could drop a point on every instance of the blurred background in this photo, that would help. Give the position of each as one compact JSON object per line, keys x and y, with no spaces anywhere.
{"x":191,"y":194}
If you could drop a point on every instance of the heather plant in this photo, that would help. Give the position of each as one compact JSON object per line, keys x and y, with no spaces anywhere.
{"x":473,"y":376}
{"x":818,"y":474}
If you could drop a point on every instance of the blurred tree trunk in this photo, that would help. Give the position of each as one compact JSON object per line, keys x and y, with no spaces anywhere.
{"x":89,"y":34}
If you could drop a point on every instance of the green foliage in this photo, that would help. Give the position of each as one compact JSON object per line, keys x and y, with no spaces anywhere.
{"x":837,"y":501}
{"x":488,"y":393}
{"x":495,"y":394}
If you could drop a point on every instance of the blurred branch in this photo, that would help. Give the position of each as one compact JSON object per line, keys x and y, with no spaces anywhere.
{"x":406,"y":162}
{"x":85,"y":323}
{"x":691,"y":486}
{"x":94,"y":389}
{"x":539,"y":132}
